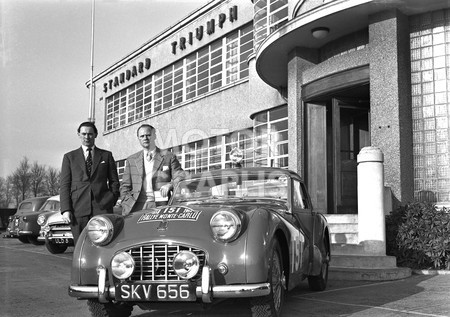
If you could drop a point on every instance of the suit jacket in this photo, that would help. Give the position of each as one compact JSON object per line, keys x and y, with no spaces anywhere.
{"x":78,"y":189}
{"x":166,"y":169}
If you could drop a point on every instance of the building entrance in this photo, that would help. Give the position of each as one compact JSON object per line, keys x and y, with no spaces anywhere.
{"x":337,"y":128}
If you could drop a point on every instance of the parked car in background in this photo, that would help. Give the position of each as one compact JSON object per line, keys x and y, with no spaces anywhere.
{"x":248,"y":232}
{"x":22,"y":225}
{"x":54,"y":232}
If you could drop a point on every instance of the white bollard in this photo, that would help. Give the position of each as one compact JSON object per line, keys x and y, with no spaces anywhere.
{"x":371,"y":221}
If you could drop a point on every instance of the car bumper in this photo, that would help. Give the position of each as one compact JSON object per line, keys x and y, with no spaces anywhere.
{"x":206,"y":292}
{"x":57,"y":238}
{"x":56,"y":234}
{"x":15,"y":233}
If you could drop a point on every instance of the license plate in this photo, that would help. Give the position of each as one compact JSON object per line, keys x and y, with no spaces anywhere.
{"x":60,"y":240}
{"x":156,"y":292}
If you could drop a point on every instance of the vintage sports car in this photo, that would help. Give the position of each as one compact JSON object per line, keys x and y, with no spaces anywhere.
{"x":247,"y":232}
{"x":22,"y":225}
{"x":55,"y":233}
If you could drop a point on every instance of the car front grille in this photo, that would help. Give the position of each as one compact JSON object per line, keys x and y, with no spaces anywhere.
{"x":154,"y":262}
{"x":59,"y":227}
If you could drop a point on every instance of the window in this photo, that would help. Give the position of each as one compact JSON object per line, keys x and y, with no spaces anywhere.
{"x":299,"y":198}
{"x":430,"y":62}
{"x":268,"y":16}
{"x":213,"y":66}
{"x":266,"y":144}
{"x":26,"y":205}
{"x":242,"y":140}
{"x":120,"y":168}
{"x":212,"y":153}
{"x":271,"y":138}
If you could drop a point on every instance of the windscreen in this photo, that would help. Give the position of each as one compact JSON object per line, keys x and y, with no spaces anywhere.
{"x":225,"y":186}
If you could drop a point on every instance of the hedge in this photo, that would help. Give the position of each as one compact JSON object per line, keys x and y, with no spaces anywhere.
{"x":418,"y":234}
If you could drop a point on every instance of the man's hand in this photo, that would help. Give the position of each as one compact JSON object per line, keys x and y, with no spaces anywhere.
{"x":67,"y":217}
{"x":165,"y":190}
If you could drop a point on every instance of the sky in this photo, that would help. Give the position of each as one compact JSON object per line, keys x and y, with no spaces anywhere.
{"x":45,"y":63}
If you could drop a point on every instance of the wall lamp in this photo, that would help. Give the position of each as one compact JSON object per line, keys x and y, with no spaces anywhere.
{"x":320,"y":32}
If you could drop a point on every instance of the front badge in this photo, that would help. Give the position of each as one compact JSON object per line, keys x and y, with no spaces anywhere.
{"x":170,"y":213}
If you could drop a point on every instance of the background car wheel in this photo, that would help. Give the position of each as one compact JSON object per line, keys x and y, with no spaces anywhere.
{"x":319,"y":282}
{"x":271,"y":305}
{"x":23,"y":239}
{"x":109,"y":309}
{"x":34,"y":240}
{"x":55,"y":248}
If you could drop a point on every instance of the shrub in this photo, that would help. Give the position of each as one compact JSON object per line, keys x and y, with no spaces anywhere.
{"x":418,"y":234}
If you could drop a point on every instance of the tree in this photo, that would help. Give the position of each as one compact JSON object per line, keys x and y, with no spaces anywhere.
{"x":3,"y":193}
{"x":22,"y":180}
{"x":28,"y":181}
{"x":52,"y":181}
{"x":38,"y":174}
{"x":14,"y":180}
{"x":8,"y":192}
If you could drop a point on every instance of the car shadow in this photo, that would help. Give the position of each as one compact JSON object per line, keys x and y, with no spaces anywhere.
{"x":341,"y":298}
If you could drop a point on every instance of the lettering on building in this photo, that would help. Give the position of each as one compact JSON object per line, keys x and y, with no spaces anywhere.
{"x":127,"y":75}
{"x":200,"y":30}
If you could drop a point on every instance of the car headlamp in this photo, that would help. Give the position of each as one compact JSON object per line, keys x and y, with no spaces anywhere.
{"x":186,"y":264}
{"x":100,"y":230}
{"x":225,"y":225}
{"x":122,"y":265}
{"x":41,"y":220}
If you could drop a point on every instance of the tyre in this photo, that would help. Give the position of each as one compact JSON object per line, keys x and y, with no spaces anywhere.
{"x":271,"y":305}
{"x":23,"y":239}
{"x":319,"y":282}
{"x":108,"y":309}
{"x":55,"y":248}
{"x":34,"y":240}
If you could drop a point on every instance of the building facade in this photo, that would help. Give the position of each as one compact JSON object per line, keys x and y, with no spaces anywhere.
{"x":298,"y":84}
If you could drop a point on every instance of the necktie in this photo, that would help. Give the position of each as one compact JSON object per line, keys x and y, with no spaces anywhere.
{"x":89,"y":161}
{"x":149,"y":156}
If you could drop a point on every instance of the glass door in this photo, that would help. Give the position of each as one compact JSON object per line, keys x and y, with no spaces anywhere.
{"x":350,"y":133}
{"x":336,"y":130}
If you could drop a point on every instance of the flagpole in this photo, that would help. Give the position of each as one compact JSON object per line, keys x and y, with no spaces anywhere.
{"x":91,"y":117}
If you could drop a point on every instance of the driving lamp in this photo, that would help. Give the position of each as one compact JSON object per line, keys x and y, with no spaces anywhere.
{"x":122,"y":265}
{"x":225,"y":225}
{"x":41,"y":220}
{"x":186,"y":264}
{"x":100,"y":230}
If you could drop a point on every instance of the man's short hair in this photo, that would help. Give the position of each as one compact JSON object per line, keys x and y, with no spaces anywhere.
{"x":145,"y":125}
{"x":88,"y":124}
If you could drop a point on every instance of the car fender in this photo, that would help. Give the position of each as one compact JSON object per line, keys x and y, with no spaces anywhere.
{"x":320,"y":249}
{"x":264,"y":227}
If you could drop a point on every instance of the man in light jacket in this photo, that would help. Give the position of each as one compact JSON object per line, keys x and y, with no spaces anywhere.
{"x":150,"y":174}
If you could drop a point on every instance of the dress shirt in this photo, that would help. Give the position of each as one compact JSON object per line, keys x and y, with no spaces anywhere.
{"x":148,"y":173}
{"x":85,"y":151}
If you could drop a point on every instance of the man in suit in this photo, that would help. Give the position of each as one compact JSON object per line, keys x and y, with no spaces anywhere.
{"x":150,"y":174}
{"x":89,"y":181}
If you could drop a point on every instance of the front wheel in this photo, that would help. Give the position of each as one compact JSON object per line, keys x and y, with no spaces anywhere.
{"x":55,"y":248}
{"x":271,"y":305}
{"x":23,"y":239}
{"x":98,"y":309}
{"x":34,"y":240}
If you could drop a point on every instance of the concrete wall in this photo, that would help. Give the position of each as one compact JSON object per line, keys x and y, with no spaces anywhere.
{"x":391,"y":119}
